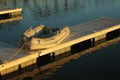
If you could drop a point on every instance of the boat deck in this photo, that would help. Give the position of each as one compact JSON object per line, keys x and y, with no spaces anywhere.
{"x":7,"y":51}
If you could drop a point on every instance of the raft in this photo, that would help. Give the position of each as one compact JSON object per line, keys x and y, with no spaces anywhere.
{"x":42,"y":43}
{"x":42,"y":37}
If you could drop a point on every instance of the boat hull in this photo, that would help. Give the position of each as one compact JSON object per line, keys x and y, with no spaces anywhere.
{"x":42,"y":43}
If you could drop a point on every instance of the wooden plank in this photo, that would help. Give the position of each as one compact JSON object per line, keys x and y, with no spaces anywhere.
{"x":11,"y":11}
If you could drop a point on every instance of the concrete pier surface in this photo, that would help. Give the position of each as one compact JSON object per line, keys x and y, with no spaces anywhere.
{"x":91,"y":32}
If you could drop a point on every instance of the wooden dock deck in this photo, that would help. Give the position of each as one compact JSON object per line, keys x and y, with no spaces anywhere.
{"x":7,"y":11}
{"x":91,"y":32}
{"x":86,"y":31}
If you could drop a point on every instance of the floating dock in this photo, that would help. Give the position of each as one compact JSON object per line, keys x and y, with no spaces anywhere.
{"x":82,"y":36}
{"x":9,"y":15}
{"x":11,"y":11}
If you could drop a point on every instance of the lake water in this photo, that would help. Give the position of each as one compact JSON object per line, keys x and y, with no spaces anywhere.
{"x":57,"y":13}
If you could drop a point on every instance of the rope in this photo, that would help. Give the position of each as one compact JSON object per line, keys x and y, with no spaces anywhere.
{"x":18,"y":50}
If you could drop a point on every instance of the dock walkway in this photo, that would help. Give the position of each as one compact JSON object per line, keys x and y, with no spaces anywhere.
{"x":95,"y":30}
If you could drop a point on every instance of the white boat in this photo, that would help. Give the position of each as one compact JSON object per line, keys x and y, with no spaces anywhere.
{"x":46,"y":42}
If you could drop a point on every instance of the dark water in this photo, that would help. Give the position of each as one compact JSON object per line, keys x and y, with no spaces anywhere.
{"x":56,"y":13}
{"x":103,"y":64}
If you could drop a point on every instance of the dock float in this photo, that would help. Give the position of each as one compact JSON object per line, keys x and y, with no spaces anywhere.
{"x":9,"y":15}
{"x":82,"y":36}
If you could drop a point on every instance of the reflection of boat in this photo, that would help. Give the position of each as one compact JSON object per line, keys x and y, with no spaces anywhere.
{"x":48,"y":38}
